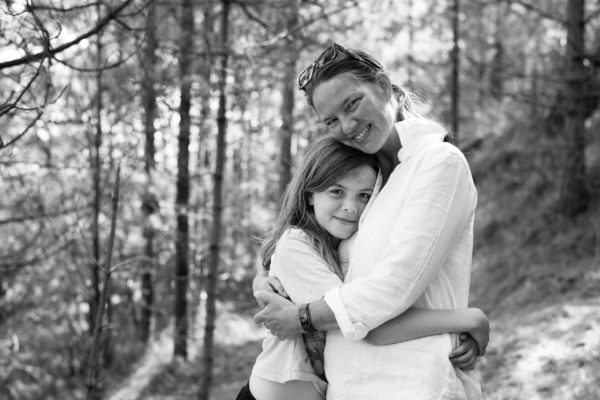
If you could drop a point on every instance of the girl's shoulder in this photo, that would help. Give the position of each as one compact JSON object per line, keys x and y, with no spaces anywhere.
{"x":293,"y":237}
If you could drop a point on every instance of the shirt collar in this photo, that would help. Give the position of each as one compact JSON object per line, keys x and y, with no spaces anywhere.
{"x":415,"y":135}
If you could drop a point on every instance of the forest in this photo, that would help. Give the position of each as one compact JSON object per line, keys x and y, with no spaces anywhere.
{"x":145,"y":144}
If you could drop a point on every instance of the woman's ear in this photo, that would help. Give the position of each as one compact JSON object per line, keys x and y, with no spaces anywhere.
{"x":385,"y":84}
{"x":310,"y":199}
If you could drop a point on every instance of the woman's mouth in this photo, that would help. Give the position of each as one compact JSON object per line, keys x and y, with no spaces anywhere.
{"x":360,"y":136}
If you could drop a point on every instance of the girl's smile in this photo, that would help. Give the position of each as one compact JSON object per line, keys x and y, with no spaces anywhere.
{"x":338,"y":208}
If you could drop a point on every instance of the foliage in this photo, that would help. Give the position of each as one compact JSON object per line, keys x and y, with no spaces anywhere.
{"x":511,"y":77}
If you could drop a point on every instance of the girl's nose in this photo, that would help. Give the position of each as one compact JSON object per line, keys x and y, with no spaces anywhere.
{"x":349,"y":206}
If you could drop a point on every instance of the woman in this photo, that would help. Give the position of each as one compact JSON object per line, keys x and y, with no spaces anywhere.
{"x":413,"y":247}
{"x":320,"y":208}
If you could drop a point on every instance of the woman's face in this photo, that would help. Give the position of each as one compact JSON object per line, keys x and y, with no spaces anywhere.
{"x":339,"y":207}
{"x":358,"y":114}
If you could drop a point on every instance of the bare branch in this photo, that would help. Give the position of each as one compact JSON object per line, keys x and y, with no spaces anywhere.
{"x":537,"y":10}
{"x":24,"y":218}
{"x":19,"y":136}
{"x":44,"y":7}
{"x":32,"y":123}
{"x":5,"y":108}
{"x":99,"y":26}
{"x":105,"y":67}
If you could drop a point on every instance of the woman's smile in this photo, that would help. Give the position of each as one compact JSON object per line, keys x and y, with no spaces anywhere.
{"x":362,"y":134}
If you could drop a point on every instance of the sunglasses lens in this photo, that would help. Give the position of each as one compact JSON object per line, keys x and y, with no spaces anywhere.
{"x":305,"y":76}
{"x":327,"y":56}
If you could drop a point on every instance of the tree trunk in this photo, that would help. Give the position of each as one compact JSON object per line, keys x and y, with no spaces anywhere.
{"x":93,"y":381}
{"x":149,"y":201}
{"x":410,"y":64}
{"x":202,"y":168}
{"x":96,"y":164}
{"x":287,"y":107}
{"x":183,"y":181}
{"x":573,"y":195}
{"x":215,"y":237}
{"x":455,"y":70}
{"x":497,"y":67}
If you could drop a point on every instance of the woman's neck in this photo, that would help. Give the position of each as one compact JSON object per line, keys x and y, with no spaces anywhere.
{"x":387,"y":156}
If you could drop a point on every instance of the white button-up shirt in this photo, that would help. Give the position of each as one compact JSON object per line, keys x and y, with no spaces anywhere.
{"x":414,"y":246}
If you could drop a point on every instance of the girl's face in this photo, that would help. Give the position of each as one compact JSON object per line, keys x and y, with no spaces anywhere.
{"x":339,"y":207}
{"x":358,"y":114}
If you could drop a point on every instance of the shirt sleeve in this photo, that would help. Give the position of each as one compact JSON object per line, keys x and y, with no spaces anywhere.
{"x":439,"y":203}
{"x":303,"y":273}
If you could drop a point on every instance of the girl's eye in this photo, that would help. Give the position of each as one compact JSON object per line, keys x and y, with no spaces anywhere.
{"x":331,"y":122}
{"x":365,"y":196}
{"x":335,"y":191}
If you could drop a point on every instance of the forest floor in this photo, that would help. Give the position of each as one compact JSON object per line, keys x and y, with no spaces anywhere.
{"x":536,"y":274}
{"x":546,"y":352}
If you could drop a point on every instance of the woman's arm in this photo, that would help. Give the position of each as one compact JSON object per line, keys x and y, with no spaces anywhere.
{"x":440,"y":204}
{"x":262,"y":282}
{"x":415,"y":323}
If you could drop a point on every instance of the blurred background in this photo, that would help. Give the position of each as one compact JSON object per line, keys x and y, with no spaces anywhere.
{"x":144,"y":145}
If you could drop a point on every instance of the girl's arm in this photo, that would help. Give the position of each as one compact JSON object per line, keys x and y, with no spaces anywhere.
{"x":415,"y":323}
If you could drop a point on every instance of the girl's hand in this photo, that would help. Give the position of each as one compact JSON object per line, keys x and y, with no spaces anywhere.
{"x":262,"y":282}
{"x":481,"y":329}
{"x":465,"y":355}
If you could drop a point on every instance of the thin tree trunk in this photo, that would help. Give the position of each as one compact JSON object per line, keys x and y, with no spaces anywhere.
{"x":411,"y":40}
{"x":149,"y":201}
{"x":573,"y":195}
{"x":93,"y":368}
{"x":200,"y":202}
{"x":497,"y":67}
{"x":215,"y":238}
{"x":183,"y":181}
{"x":288,"y":90}
{"x":455,"y":70}
{"x":96,"y":177}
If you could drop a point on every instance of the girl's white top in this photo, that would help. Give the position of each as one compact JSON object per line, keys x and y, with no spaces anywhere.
{"x":414,"y":246}
{"x":306,"y":277}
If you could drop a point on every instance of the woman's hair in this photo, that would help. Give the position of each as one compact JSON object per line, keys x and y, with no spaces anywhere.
{"x":325,"y":163}
{"x":365,"y":72}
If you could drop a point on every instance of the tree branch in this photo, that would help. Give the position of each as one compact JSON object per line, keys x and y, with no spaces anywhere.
{"x":99,"y":26}
{"x":536,"y":10}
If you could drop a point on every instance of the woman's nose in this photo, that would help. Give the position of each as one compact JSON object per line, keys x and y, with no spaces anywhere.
{"x":347,"y":124}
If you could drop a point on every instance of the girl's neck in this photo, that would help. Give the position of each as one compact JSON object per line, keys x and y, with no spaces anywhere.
{"x":387,"y":156}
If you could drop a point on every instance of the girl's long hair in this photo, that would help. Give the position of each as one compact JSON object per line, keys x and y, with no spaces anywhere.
{"x":325,"y":163}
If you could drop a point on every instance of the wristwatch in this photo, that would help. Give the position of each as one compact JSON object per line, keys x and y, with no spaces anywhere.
{"x":305,"y":322}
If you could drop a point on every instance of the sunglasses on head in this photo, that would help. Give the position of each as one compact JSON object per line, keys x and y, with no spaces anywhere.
{"x":328,"y":55}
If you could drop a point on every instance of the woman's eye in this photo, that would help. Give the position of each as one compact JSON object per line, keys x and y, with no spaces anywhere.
{"x":365,"y":196}
{"x":330,"y":122}
{"x":335,"y":191}
{"x":352,"y":104}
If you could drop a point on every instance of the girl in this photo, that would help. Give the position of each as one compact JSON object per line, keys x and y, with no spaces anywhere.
{"x":321,"y":207}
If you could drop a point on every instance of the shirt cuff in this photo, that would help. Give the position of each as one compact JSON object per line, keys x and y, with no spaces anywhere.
{"x":351,"y":331}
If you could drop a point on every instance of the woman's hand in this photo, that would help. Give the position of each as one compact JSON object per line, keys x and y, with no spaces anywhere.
{"x":280,"y":316}
{"x":465,"y":355}
{"x":263,"y":282}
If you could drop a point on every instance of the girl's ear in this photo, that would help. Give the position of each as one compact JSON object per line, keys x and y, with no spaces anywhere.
{"x":310,"y":199}
{"x":385,"y":84}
